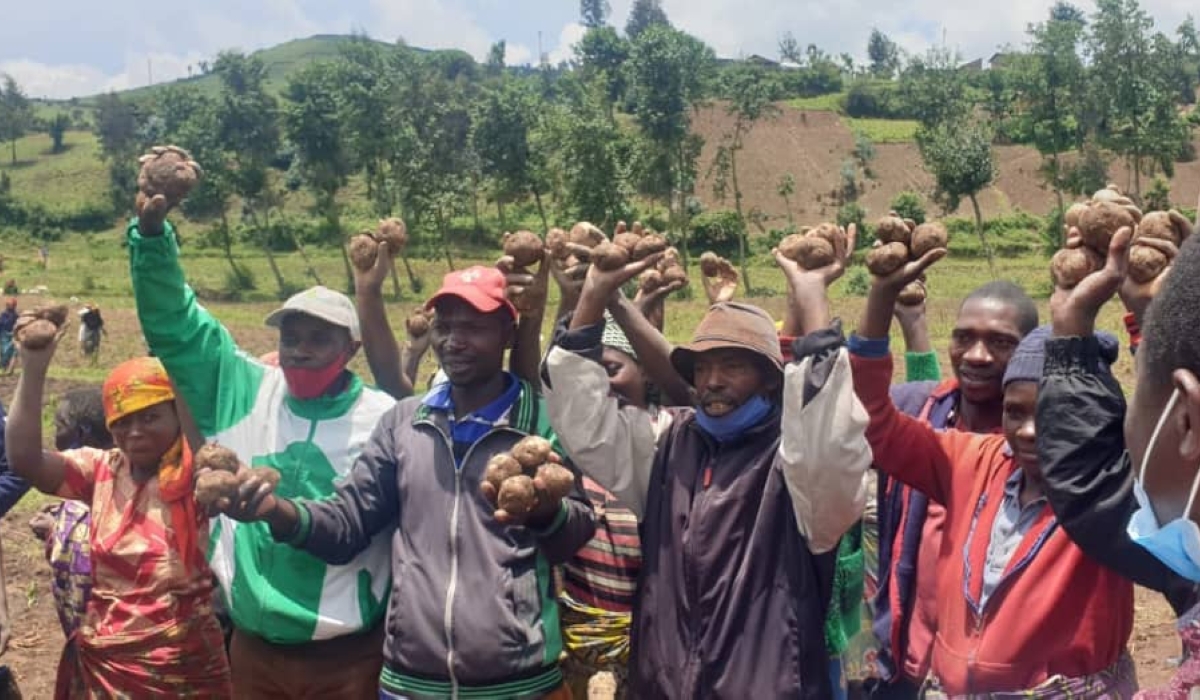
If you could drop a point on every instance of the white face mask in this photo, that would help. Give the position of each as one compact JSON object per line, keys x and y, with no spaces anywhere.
{"x":1177,"y":544}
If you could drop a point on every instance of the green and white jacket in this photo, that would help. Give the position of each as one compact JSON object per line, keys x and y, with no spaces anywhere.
{"x":272,"y":590}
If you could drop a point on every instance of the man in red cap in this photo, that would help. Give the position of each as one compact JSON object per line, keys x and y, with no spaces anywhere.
{"x":741,"y":500}
{"x":473,"y":612}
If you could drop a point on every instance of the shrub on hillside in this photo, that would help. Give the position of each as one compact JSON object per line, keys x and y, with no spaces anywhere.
{"x":717,"y":231}
{"x":878,"y":99}
{"x":908,"y":206}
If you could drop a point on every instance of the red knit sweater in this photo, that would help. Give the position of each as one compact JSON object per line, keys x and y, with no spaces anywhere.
{"x":1055,"y":610}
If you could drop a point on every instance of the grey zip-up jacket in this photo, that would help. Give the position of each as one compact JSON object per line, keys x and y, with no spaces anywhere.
{"x":472,"y":610}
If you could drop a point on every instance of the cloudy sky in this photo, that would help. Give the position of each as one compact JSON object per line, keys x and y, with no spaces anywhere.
{"x":64,"y":48}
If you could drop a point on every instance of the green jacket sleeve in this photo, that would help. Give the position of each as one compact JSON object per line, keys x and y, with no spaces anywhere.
{"x":217,"y":380}
{"x":921,"y":367}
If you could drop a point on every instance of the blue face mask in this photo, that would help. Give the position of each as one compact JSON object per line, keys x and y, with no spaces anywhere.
{"x":1176,"y":544}
{"x":736,"y":422}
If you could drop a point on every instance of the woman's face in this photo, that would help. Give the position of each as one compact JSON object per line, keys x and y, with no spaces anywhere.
{"x":146,"y":435}
{"x":625,"y":378}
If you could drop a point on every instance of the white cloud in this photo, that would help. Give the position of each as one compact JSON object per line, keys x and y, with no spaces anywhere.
{"x":433,"y":25}
{"x":518,"y":54}
{"x":567,"y":38}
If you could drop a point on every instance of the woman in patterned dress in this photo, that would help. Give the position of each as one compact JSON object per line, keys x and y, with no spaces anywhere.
{"x":149,"y":628}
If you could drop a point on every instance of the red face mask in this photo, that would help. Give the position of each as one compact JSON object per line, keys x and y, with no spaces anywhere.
{"x":304,"y":383}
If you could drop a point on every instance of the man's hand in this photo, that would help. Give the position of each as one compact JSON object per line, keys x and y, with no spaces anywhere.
{"x":371,"y":281}
{"x":808,"y":303}
{"x":255,"y":499}
{"x":1136,"y":297}
{"x":913,"y":324}
{"x":881,"y":301}
{"x":601,"y":286}
{"x":1073,"y":311}
{"x":36,"y":359}
{"x":526,"y":291}
{"x":539,"y":517}
{"x":724,"y":285}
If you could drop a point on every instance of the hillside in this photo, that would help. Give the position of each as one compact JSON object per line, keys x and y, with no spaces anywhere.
{"x":812,"y":146}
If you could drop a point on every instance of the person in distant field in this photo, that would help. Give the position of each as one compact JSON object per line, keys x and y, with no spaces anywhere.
{"x":91,"y":327}
{"x":44,"y":256}
{"x":8,"y":324}
{"x":10,"y":287}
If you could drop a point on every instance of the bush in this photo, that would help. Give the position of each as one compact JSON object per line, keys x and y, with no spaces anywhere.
{"x":858,"y":282}
{"x":853,"y":213}
{"x":879,"y":99}
{"x":1017,"y":234}
{"x":1158,"y":197}
{"x":908,"y":206}
{"x":718,"y":231}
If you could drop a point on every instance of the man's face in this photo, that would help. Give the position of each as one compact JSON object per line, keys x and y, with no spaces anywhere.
{"x":307,"y":342}
{"x":726,"y":378}
{"x":984,"y":338}
{"x":469,"y":345}
{"x":1020,"y":407}
{"x":625,"y":378}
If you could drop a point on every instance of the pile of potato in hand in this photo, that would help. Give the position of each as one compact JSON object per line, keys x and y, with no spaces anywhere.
{"x":899,"y":241}
{"x":529,"y":476}
{"x":36,"y":328}
{"x":364,"y":246}
{"x":220,"y":475}
{"x":1091,"y":226}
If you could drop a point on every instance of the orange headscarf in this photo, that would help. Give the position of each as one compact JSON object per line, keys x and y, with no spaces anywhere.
{"x":138,"y":384}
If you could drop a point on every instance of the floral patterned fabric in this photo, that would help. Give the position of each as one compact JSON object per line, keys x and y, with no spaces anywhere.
{"x":1187,"y":678}
{"x":69,"y":552}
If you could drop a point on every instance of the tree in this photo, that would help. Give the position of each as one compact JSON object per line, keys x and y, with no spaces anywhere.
{"x":751,"y":95}
{"x":1052,"y":81}
{"x":248,"y":131}
{"x":117,"y":130}
{"x":502,"y":122}
{"x":934,"y":89}
{"x":643,"y":15}
{"x":883,"y":54}
{"x":959,"y":156}
{"x":602,"y":54}
{"x":592,"y":156}
{"x":668,"y":71}
{"x":57,"y":129}
{"x":594,"y":13}
{"x":789,"y":49}
{"x":16,"y":114}
{"x":495,"y":58}
{"x":313,"y":125}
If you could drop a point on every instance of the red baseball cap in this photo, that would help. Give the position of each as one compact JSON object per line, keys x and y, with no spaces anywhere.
{"x":481,"y":287}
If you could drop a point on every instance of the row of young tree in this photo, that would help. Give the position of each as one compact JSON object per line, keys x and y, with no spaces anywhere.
{"x":434,"y":136}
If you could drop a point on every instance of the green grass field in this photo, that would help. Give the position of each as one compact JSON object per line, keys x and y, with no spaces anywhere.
{"x":57,"y":181}
{"x":884,"y":130}
{"x":821,"y":103}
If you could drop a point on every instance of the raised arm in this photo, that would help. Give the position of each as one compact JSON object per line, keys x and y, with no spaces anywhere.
{"x":1080,"y":417}
{"x":379,"y":343}
{"x":527,"y":292}
{"x":44,"y":470}
{"x":653,"y":351}
{"x":920,"y":360}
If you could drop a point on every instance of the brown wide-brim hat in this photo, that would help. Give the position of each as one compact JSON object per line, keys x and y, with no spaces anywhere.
{"x":730,"y":325}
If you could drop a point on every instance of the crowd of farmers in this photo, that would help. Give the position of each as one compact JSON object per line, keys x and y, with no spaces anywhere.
{"x":759,"y":512}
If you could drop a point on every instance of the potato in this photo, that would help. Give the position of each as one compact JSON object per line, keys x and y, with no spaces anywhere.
{"x":829,"y":232}
{"x":673,"y":274}
{"x":525,"y":248}
{"x":912,"y":294}
{"x":499,"y":468}
{"x":216,"y":457}
{"x":532,"y":451}
{"x":417,"y":325}
{"x":1111,"y":193}
{"x":1070,"y":265}
{"x":1101,"y":221}
{"x":650,"y":281}
{"x":1167,"y":226}
{"x":36,"y":333}
{"x":648,"y":245}
{"x":169,"y":171}
{"x":638,"y":228}
{"x":1074,"y":213}
{"x":212,"y":486}
{"x":1146,"y":263}
{"x":363,"y":251}
{"x":627,"y":240}
{"x":670,"y":258}
{"x":557,"y":480}
{"x":883,"y":260}
{"x":517,"y":496}
{"x":812,"y":252}
{"x":893,"y":229}
{"x":394,"y":233}
{"x":586,"y":234}
{"x":609,"y":256}
{"x":710,"y":264}
{"x":556,"y":243}
{"x":928,"y":236}
{"x":265,"y":474}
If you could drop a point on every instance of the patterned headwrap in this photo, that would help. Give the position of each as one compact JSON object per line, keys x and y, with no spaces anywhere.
{"x":138,"y":384}
{"x":615,"y":338}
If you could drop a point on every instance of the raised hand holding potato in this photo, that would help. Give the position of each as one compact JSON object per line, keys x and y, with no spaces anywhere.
{"x":1073,"y":310}
{"x":167,"y":175}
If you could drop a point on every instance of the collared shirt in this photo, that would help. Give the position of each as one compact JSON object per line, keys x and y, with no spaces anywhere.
{"x":465,"y":431}
{"x":1012,"y":523}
